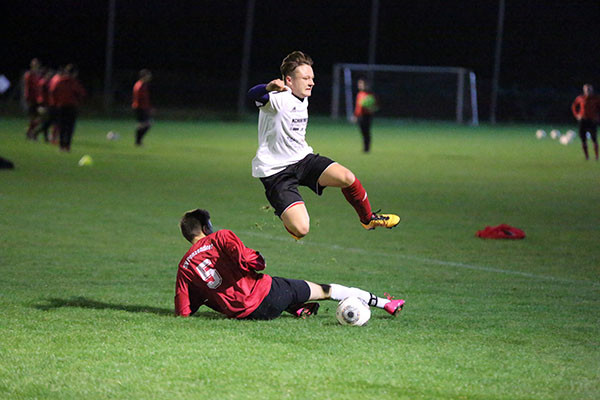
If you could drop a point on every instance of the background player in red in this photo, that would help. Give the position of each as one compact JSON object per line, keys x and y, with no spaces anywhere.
{"x":141,"y":105}
{"x":220,"y":272}
{"x":43,"y":105}
{"x":31,"y":89}
{"x":586,"y":110}
{"x":68,"y":94}
{"x":52,"y":109}
{"x":366,"y":105}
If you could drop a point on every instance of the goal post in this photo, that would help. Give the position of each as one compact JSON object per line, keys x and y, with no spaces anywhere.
{"x":406,"y":91}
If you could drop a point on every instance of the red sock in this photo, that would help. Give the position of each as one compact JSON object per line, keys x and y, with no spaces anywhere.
{"x":356,"y":195}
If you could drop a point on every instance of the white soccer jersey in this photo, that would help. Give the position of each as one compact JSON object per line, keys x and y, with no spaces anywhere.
{"x":281,"y":133}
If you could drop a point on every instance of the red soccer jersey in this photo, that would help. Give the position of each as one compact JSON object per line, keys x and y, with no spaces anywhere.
{"x":67,"y":92}
{"x":220,"y":271}
{"x":141,"y":96}
{"x":586,"y":107}
{"x":42,"y":97}
{"x":360,"y":109}
{"x":32,"y":80}
{"x":52,"y":89}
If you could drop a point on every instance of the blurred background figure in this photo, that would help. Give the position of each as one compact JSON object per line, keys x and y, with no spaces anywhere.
{"x":141,"y":105}
{"x":67,"y":96}
{"x":366,"y":106}
{"x":31,"y":88}
{"x":586,"y":110}
{"x":44,"y":114}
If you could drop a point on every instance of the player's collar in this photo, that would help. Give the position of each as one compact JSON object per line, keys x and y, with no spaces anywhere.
{"x":302,"y":100}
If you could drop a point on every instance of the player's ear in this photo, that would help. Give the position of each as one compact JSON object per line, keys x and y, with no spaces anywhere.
{"x":207,"y":229}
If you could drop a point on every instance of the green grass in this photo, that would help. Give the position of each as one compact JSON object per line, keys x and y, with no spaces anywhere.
{"x":88,"y":257}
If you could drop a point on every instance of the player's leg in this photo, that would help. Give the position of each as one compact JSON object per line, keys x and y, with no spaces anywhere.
{"x":583,"y":137}
{"x":33,"y":121}
{"x":143,"y":118}
{"x":339,"y":292}
{"x":70,"y":116}
{"x":62,"y":128}
{"x":365,"y":129}
{"x":282,"y":192}
{"x":296,"y":220}
{"x":337,"y":175}
{"x":290,"y":295}
{"x":594,"y":135}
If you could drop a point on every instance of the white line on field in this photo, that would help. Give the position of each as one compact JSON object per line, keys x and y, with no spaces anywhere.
{"x":433,"y":261}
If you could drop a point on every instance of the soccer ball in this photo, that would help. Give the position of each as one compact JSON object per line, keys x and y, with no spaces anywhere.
{"x":554,"y":133}
{"x":540,"y":133}
{"x":112,"y":135}
{"x":369,"y":103}
{"x":567,"y":137}
{"x":353,"y":311}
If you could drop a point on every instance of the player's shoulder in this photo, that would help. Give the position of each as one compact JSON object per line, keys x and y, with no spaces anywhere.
{"x":224,"y":234}
{"x":284,"y":95}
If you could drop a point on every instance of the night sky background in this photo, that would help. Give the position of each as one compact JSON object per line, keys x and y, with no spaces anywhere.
{"x":550,"y":47}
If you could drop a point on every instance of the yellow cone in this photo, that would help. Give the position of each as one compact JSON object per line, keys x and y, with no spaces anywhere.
{"x":85,"y":160}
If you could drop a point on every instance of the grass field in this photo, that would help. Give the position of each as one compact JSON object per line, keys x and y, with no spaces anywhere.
{"x":88,"y":257}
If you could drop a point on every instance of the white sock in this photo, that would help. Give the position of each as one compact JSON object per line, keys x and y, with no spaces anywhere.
{"x":340,"y":292}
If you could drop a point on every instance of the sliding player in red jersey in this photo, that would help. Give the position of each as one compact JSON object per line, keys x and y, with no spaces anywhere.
{"x":141,"y":105}
{"x":284,"y":159}
{"x":220,"y":272}
{"x":586,"y":110}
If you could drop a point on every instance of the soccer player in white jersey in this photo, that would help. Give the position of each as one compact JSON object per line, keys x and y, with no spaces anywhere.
{"x":284,"y":159}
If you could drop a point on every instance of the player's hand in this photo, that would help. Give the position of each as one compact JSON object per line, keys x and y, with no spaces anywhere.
{"x":276,"y":85}
{"x":354,"y":119}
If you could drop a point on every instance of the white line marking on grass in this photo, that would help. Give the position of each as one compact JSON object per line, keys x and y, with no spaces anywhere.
{"x":424,"y":260}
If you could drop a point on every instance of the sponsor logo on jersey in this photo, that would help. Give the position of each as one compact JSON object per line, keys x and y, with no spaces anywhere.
{"x":186,"y":263}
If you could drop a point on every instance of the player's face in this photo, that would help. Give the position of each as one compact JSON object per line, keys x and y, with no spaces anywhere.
{"x":302,"y":81}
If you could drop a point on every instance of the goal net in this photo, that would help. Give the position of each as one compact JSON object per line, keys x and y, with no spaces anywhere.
{"x":406,"y":91}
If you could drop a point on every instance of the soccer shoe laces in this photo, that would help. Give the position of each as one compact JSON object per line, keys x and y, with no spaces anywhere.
{"x":379,"y":217}
{"x":382,"y":220}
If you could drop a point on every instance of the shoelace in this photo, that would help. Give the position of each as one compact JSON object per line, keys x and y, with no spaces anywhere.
{"x":378,"y":217}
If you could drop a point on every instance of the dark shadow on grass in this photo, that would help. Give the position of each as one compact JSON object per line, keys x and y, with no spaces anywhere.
{"x":83,"y":302}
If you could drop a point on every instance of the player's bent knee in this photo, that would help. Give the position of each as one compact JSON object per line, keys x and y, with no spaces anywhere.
{"x":348,"y":178}
{"x":297,"y":230}
{"x":302,"y":230}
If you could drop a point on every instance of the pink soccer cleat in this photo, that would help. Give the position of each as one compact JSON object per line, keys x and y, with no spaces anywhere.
{"x":394,"y":306}
{"x":306,"y":310}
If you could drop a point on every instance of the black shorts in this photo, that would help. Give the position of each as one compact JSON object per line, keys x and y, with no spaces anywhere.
{"x":281,"y":189}
{"x":32,"y":109}
{"x":142,"y":115}
{"x":284,"y":294}
{"x":587,"y":125}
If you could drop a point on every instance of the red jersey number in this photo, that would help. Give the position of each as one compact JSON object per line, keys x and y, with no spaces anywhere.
{"x":209,"y":275}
